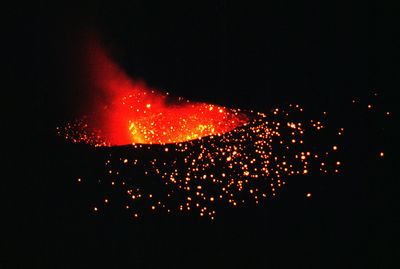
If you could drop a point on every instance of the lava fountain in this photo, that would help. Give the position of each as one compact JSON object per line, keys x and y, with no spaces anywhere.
{"x":202,"y":155}
{"x":125,"y":111}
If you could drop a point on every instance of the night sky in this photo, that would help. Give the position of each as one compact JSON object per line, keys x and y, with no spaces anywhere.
{"x":320,"y":54}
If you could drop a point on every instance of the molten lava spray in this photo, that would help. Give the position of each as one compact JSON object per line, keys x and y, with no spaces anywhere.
{"x":125,"y":111}
{"x":240,"y":158}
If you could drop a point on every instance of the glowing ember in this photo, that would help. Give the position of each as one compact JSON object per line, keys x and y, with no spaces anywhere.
{"x":128,"y":112}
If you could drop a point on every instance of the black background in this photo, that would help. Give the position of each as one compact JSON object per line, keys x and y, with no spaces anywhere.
{"x":243,"y":54}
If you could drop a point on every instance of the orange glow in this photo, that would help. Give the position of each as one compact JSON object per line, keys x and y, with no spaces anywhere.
{"x":229,"y":161}
{"x":124,"y":111}
{"x":231,"y":157}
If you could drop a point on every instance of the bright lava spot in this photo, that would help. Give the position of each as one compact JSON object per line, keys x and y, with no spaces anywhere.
{"x":129,"y":112}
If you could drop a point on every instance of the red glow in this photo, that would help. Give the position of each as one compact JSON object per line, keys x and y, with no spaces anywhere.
{"x":126,"y":111}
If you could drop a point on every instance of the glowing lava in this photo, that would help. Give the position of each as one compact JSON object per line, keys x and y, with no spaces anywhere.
{"x":124,"y":111}
{"x":215,"y":156}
